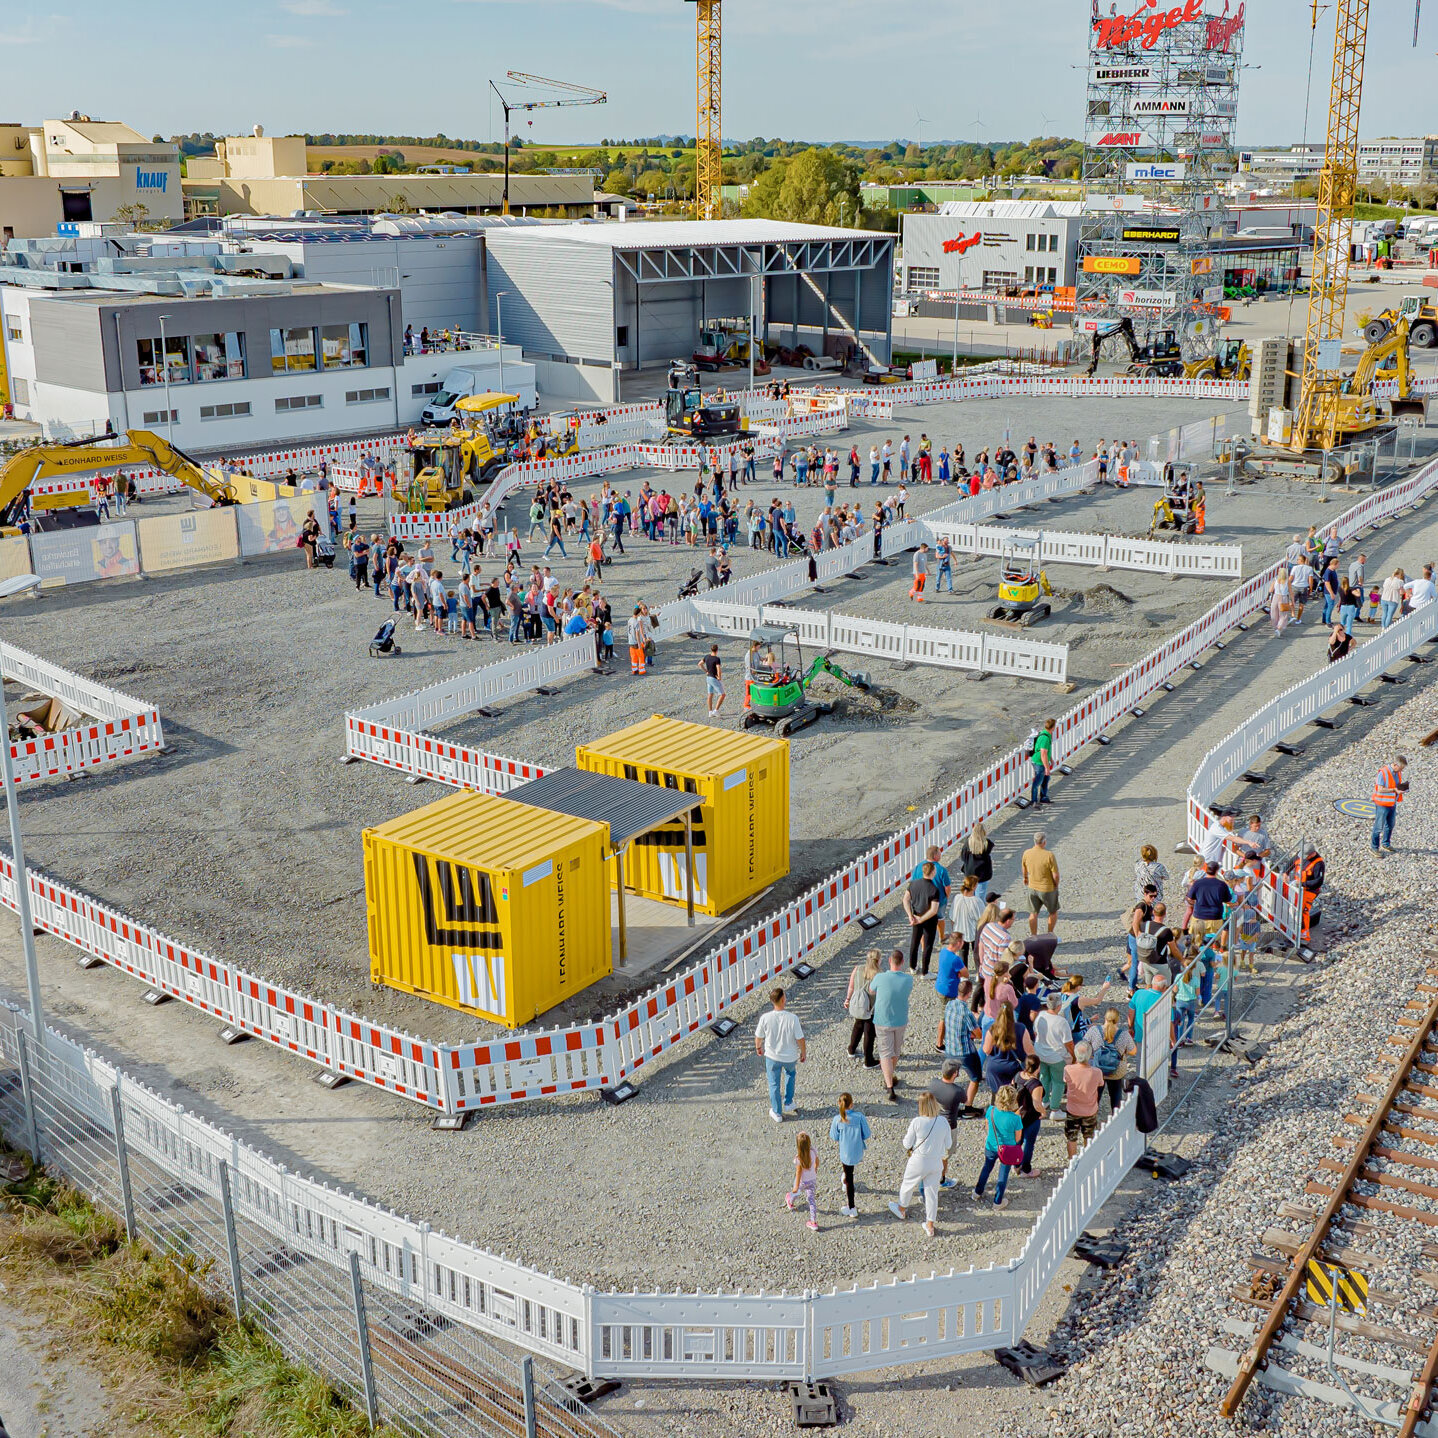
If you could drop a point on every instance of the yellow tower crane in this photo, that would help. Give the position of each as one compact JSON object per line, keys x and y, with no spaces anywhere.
{"x":708,"y":137}
{"x":1316,"y":419}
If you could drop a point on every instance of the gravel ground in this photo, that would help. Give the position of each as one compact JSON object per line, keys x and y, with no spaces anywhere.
{"x":213,"y":857}
{"x":1140,"y":1338}
{"x":253,"y":667}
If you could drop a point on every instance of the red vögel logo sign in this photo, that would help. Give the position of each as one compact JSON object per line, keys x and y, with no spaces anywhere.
{"x":962,"y":244}
{"x":1118,"y":30}
{"x":1223,"y":28}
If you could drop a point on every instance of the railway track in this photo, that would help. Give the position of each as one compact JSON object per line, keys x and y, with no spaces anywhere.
{"x":1346,"y":1286}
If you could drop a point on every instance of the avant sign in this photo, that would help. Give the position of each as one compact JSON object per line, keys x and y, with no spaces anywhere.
{"x":1148,"y":29}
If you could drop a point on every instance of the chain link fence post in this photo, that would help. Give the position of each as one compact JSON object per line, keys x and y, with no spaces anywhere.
{"x":122,"y":1159}
{"x":531,"y":1422}
{"x":27,"y":1091}
{"x":371,"y":1400}
{"x":232,"y":1242}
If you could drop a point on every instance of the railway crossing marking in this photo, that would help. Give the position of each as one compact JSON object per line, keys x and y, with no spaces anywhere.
{"x":1325,"y":1280}
{"x":1355,"y":808}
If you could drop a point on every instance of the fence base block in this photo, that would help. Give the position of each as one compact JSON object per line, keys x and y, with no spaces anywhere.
{"x":88,"y":961}
{"x":1170,"y":1166}
{"x":155,"y":998}
{"x":450,"y":1122}
{"x":1036,"y":1366}
{"x":326,"y":1078}
{"x":586,"y":1390}
{"x":620,"y":1093}
{"x":1101,"y":1252}
{"x":814,"y":1405}
{"x":233,"y":1036}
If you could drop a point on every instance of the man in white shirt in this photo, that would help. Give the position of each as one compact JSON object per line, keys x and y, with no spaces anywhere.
{"x":1296,"y":551}
{"x":1215,"y":841}
{"x":1421,"y":591}
{"x":779,"y":1041}
{"x":1301,"y":580}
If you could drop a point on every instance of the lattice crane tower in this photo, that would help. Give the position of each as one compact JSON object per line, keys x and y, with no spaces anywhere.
{"x":708,"y":136}
{"x":1316,"y":420}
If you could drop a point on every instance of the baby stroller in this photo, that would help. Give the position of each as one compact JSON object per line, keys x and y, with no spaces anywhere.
{"x":325,"y":551}
{"x":383,"y":642}
{"x":690,"y":587}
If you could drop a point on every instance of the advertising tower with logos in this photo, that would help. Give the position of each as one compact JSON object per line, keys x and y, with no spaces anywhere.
{"x":1162,"y":107}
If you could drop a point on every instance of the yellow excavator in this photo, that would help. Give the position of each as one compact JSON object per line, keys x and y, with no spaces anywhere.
{"x":86,"y":457}
{"x":1360,"y":411}
{"x":1231,"y":360}
{"x":446,"y":465}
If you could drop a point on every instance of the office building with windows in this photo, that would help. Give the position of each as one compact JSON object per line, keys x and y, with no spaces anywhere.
{"x":992,"y":247}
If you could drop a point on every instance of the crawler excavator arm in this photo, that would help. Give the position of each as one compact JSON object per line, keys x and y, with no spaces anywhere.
{"x":139,"y":447}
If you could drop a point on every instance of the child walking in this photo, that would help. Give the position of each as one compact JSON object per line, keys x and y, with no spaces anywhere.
{"x":850,"y":1130}
{"x":806,"y":1179}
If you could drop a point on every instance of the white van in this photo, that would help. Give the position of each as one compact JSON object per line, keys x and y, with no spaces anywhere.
{"x":476,"y":379}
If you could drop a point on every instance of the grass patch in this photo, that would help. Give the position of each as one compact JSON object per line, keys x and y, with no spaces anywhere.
{"x":171,"y":1355}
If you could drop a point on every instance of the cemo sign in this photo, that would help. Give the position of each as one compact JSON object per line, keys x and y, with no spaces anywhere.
{"x":1147,"y":25}
{"x":1111,"y":264}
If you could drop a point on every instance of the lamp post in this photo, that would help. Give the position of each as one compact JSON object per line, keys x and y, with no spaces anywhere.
{"x":499,"y":329}
{"x":22,"y":884}
{"x":165,"y":364}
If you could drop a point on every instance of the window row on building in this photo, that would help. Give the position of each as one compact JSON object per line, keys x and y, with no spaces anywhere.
{"x":202,"y":359}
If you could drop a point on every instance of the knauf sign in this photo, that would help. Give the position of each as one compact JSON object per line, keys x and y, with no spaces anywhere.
{"x":152,"y":180}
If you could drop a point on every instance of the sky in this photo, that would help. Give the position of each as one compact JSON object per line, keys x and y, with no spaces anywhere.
{"x":797,"y":69}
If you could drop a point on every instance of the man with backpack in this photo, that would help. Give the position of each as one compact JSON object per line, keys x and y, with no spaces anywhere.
{"x":1157,"y":945}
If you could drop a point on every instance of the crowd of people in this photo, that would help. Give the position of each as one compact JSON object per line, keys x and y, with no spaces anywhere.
{"x":1021,"y":1041}
{"x":1311,"y":574}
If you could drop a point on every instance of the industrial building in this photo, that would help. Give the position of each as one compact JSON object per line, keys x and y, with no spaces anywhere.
{"x":587,"y":302}
{"x":220,"y":348}
{"x":1409,"y":162}
{"x":67,"y":172}
{"x":992,"y":246}
{"x":268,"y":175}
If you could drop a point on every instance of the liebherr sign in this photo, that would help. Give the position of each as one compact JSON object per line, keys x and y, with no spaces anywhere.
{"x":1126,"y":75}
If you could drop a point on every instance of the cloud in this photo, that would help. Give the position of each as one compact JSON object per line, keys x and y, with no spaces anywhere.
{"x":314,"y":9}
{"x":287,"y":42}
{"x":33,"y":33}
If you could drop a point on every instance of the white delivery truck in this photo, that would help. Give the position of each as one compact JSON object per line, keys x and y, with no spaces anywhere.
{"x":480,"y":379}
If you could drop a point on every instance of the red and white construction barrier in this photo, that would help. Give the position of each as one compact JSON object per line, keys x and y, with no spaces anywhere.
{"x":116,"y":726}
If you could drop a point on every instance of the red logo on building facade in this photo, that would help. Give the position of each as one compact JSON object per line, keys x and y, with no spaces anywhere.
{"x":962,"y":244}
{"x":1223,"y":28}
{"x":1148,"y":29}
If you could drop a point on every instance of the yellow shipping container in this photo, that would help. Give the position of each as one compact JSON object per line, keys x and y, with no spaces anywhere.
{"x":489,"y":906}
{"x":741,"y":828}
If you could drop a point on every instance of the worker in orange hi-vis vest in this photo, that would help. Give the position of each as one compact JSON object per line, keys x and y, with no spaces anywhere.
{"x":1388,"y":790}
{"x":1310,"y":870}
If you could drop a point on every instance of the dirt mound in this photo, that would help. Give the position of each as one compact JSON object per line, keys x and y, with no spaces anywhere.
{"x":1104,"y":599}
{"x":877,"y":705}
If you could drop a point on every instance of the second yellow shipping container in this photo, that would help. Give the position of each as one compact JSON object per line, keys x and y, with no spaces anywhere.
{"x":741,"y":821}
{"x":489,"y":906}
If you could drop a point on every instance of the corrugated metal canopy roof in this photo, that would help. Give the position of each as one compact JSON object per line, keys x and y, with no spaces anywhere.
{"x":629,"y":808}
{"x":688,"y":234}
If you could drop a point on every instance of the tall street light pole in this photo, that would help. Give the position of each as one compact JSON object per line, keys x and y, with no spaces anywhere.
{"x":499,"y":330}
{"x":165,"y":361}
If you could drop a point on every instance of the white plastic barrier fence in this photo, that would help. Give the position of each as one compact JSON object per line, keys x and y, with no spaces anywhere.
{"x":995,"y":386}
{"x":1101,"y":551}
{"x":116,"y":726}
{"x":911,"y":643}
{"x":735,"y":1336}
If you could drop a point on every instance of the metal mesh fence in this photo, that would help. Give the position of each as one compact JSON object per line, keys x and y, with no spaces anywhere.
{"x":423,"y":1374}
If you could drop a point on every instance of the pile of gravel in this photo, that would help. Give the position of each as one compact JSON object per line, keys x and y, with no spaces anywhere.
{"x":1137,"y":1337}
{"x":878,"y":704}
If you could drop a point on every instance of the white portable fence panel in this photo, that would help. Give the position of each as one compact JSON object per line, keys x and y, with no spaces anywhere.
{"x":1089,"y":1181}
{"x":1097,"y":551}
{"x":913,"y":1321}
{"x":703,"y":1335}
